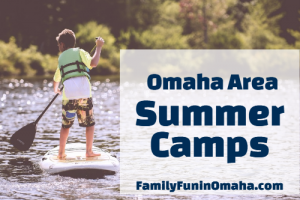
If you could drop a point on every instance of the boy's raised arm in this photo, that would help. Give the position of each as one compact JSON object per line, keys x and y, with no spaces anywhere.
{"x":96,"y":56}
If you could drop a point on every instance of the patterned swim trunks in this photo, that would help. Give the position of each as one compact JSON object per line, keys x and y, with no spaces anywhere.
{"x":82,"y":107}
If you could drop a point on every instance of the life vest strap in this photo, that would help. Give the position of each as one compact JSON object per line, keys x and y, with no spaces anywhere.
{"x":75,"y":70}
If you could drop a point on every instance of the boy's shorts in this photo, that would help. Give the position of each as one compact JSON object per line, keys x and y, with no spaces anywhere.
{"x":82,"y":107}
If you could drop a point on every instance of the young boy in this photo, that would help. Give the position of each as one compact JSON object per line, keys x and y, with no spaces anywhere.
{"x":73,"y":65}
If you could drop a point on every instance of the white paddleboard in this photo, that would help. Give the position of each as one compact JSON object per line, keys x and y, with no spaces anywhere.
{"x":77,"y":160}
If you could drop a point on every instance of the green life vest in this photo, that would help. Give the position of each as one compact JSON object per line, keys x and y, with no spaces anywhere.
{"x":71,"y":65}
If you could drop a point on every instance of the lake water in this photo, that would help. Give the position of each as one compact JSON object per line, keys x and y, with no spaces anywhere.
{"x":20,"y":176}
{"x":21,"y":102}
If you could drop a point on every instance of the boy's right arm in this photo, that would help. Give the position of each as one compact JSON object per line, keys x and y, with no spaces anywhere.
{"x":56,"y":80}
{"x":55,"y":87}
{"x":96,"y":56}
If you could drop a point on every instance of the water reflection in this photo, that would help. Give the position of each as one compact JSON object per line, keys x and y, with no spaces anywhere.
{"x":19,"y":169}
{"x":87,"y":174}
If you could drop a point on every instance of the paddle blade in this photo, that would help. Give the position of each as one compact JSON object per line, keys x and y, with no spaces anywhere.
{"x":23,"y":138}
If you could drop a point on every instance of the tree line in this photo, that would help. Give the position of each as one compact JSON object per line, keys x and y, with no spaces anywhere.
{"x":31,"y":27}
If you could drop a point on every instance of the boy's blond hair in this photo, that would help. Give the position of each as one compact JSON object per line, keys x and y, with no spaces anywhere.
{"x":67,"y":37}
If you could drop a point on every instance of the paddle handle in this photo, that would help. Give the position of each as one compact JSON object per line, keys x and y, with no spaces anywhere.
{"x":41,"y":115}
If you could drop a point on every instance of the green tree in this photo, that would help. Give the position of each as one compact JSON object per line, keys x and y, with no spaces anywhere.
{"x":203,"y":19}
{"x":15,"y":61}
{"x":167,"y":33}
{"x":290,"y":12}
{"x":110,"y":56}
{"x":261,"y":29}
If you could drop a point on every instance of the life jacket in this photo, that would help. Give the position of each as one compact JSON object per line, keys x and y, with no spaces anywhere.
{"x":71,"y":65}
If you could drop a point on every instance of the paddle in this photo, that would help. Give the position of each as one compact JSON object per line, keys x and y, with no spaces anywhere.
{"x":23,"y":138}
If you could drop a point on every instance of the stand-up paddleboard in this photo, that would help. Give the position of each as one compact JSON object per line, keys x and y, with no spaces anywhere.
{"x":77,"y":160}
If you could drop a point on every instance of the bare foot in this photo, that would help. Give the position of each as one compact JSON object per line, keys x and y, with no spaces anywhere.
{"x":62,"y":156}
{"x":92,"y":154}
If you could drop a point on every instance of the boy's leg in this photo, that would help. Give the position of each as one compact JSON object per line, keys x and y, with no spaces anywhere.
{"x":64,"y":133}
{"x":68,"y":116}
{"x":89,"y":141}
{"x":86,"y":119}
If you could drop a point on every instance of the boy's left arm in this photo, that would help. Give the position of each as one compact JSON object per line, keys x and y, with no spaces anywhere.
{"x":89,"y":61}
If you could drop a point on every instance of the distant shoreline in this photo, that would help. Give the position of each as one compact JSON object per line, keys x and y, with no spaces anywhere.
{"x":48,"y":77}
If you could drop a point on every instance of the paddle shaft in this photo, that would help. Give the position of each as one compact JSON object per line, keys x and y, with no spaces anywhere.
{"x":93,"y":49}
{"x":41,"y":115}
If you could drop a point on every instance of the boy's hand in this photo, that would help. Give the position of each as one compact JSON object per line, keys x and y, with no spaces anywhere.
{"x":99,"y":42}
{"x":57,"y":91}
{"x":55,"y":87}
